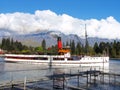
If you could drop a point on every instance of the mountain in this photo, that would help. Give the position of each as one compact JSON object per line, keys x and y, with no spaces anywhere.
{"x":6,"y":33}
{"x":50,"y":37}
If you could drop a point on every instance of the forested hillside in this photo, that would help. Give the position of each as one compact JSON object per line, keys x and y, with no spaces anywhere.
{"x":103,"y":48}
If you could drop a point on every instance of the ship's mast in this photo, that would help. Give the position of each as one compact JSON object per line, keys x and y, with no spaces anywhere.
{"x":86,"y":41}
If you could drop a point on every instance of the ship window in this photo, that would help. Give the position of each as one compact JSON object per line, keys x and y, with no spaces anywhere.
{"x":42,"y":58}
{"x":58,"y":58}
{"x":70,"y":58}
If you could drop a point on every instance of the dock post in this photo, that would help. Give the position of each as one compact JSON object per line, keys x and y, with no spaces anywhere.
{"x":70,"y":73}
{"x":53,"y":80}
{"x":109,"y":78}
{"x":102,"y":77}
{"x":78,"y":78}
{"x":87,"y":77}
{"x":90,"y":76}
{"x":94,"y":76}
{"x":114,"y":79}
{"x":63,"y":81}
{"x":25,"y":83}
{"x":11,"y":82}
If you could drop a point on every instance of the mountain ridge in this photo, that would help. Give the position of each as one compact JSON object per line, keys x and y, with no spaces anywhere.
{"x":35,"y":39}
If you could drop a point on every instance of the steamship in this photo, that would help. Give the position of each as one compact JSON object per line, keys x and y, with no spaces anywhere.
{"x":63,"y":58}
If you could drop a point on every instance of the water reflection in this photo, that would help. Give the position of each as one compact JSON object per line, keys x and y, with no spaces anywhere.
{"x":17,"y":71}
{"x":1,"y":67}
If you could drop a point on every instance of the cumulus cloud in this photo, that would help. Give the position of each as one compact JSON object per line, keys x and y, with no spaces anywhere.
{"x":24,"y":23}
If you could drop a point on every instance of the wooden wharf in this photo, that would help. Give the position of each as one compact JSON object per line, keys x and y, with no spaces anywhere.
{"x":61,"y":80}
{"x":91,"y":78}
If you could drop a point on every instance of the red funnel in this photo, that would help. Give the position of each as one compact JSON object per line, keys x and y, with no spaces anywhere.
{"x":59,"y":43}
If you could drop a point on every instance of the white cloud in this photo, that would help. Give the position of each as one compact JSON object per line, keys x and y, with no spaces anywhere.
{"x":24,"y":23}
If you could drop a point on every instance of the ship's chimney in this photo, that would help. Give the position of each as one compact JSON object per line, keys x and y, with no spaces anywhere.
{"x":59,"y":43}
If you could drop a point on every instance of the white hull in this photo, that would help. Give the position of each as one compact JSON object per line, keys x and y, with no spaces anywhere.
{"x":83,"y":61}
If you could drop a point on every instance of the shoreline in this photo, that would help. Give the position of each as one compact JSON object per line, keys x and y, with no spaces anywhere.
{"x":114,"y":58}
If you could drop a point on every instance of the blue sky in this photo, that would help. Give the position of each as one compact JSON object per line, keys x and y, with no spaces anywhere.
{"x":82,"y":9}
{"x":102,"y":17}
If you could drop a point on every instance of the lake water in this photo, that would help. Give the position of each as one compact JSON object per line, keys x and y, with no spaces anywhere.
{"x":17,"y":71}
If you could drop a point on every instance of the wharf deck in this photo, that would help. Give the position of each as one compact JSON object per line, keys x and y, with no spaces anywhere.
{"x":85,"y":73}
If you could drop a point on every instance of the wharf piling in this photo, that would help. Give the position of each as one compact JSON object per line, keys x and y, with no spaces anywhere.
{"x":92,"y":77}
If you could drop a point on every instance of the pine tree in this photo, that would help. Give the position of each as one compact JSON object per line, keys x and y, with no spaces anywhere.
{"x":73,"y":47}
{"x":78,"y":49}
{"x":96,"y":48}
{"x":118,"y":49}
{"x":114,"y":48}
{"x":102,"y":47}
{"x":67,"y":44}
{"x":44,"y":44}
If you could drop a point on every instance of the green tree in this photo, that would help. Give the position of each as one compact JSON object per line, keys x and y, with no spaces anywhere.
{"x":114,"y":49}
{"x":44,"y":44}
{"x":67,"y":44}
{"x":102,"y":47}
{"x":96,"y":48}
{"x":11,"y":46}
{"x":3,"y":44}
{"x":113,"y":52}
{"x":78,"y":49}
{"x":39,"y":49}
{"x":91,"y":51}
{"x":118,"y":49}
{"x":73,"y":47}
